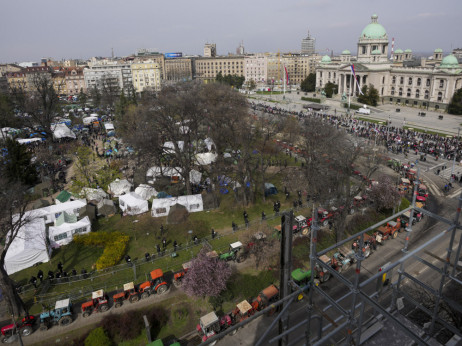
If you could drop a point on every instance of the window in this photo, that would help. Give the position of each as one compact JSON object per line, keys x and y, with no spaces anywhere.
{"x":441,"y":83}
{"x":161,"y":210}
{"x":79,"y":230}
{"x":392,"y":90}
{"x":428,"y":82}
{"x":440,"y":96}
{"x":57,"y":215}
{"x":417,"y":93}
{"x":194,"y":206}
{"x":419,"y":81}
{"x":410,"y":81}
{"x":401,"y":80}
{"x":393,"y":80}
{"x":383,"y":80}
{"x":60,"y":236}
{"x":408,"y":93}
{"x":415,"y":103}
{"x":426,"y":94}
{"x":400,"y":91}
{"x":329,"y":75}
{"x":363,"y":49}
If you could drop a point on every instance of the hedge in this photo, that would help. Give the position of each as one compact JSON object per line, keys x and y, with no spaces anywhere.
{"x":98,"y":337}
{"x":311,"y":99}
{"x":115,"y":245}
{"x":352,"y":106}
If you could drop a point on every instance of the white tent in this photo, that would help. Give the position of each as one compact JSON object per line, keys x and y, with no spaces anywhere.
{"x":28,"y":140}
{"x":28,"y":247}
{"x":169,"y":147}
{"x":132,"y":204}
{"x":161,"y":206}
{"x":205,"y":158}
{"x":119,"y":187}
{"x":63,"y":234}
{"x":93,"y":194}
{"x":195,"y":176}
{"x":62,"y":131}
{"x":156,"y":171}
{"x":52,"y":212}
{"x":90,"y":119}
{"x":209,"y":143}
{"x":109,"y":126}
{"x":146,"y":192}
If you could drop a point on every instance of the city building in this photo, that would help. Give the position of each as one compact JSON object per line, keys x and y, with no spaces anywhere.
{"x":210,"y":50}
{"x":431,"y":84}
{"x":108,"y":73}
{"x":308,"y":45}
{"x":207,"y":68}
{"x":27,"y":78}
{"x":178,"y":69}
{"x":298,"y":67}
{"x":59,"y":81}
{"x":5,"y":69}
{"x":146,"y":75}
{"x":75,"y":81}
{"x":256,"y":69}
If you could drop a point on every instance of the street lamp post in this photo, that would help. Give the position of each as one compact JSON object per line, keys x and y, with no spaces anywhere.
{"x":455,"y":154}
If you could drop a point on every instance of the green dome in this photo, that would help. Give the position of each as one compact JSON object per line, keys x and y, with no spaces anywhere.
{"x":346,"y":52}
{"x":408,"y":51}
{"x":376,"y":52}
{"x":449,"y":61}
{"x":326,"y":59}
{"x":399,"y":51}
{"x":374,"y":30}
{"x":438,"y":50}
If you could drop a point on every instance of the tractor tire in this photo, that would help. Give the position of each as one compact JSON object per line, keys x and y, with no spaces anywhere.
{"x":395,"y":234}
{"x":162,"y":289}
{"x":103,"y":308}
{"x":118,"y":305}
{"x":65,"y":320}
{"x":305,"y":231}
{"x":325,"y":277}
{"x":43,"y":327}
{"x":177,"y":283}
{"x":144,"y":295}
{"x":5,"y":339}
{"x":134,"y":299}
{"x":86,"y":313}
{"x":26,"y":331}
{"x":241,"y":259}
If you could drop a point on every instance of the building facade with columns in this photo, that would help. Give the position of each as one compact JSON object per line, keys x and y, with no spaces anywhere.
{"x":425,"y":86}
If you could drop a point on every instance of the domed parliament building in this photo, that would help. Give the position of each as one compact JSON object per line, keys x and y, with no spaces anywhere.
{"x":431,"y":84}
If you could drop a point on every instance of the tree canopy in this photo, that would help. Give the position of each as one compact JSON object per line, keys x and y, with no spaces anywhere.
{"x":330,"y":89}
{"x":455,"y":106}
{"x":234,"y":81}
{"x":309,"y":83}
{"x":370,"y":95}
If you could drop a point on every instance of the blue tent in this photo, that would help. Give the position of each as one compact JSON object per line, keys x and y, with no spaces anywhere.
{"x":270,"y":189}
{"x":162,"y":194}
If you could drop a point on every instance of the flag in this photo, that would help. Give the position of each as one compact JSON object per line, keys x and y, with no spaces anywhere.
{"x":354,"y":74}
{"x":287,"y":76}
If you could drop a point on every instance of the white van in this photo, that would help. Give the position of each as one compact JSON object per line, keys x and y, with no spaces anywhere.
{"x":364,"y":110}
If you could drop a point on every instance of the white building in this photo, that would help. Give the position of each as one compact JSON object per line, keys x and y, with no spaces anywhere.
{"x":428,"y":85}
{"x":255,"y":68}
{"x":308,"y":45}
{"x":109,"y":74}
{"x":146,"y":75}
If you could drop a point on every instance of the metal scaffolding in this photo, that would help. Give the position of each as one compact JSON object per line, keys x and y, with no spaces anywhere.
{"x":365,"y":302}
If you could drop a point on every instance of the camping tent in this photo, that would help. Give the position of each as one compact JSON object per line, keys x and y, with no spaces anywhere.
{"x":93,"y":194}
{"x":106,"y":208}
{"x":145,"y":191}
{"x":161,"y":207}
{"x":206,"y":158}
{"x":132,"y":204}
{"x":109,"y":126}
{"x":52,"y":212}
{"x":63,"y":234}
{"x":62,"y":131}
{"x":270,"y":189}
{"x":90,"y":119}
{"x":119,"y":187}
{"x":28,"y":248}
{"x":195,"y":176}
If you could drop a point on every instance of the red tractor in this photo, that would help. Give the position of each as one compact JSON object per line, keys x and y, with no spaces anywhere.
{"x":179,"y":276}
{"x":25,"y":327}
{"x":369,"y":243}
{"x":99,"y":303}
{"x":242,"y":311}
{"x":387,"y":232}
{"x":323,"y":217}
{"x":130,"y":292}
{"x":266,"y":297}
{"x":157,"y":284}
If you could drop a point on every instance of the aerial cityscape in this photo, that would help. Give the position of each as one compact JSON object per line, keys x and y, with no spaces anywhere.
{"x":186,"y":174}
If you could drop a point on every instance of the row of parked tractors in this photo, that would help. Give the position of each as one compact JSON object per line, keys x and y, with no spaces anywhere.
{"x":62,"y":313}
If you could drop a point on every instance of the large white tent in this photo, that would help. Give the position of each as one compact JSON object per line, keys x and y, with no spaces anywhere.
{"x":146,"y":192}
{"x":161,"y":206}
{"x":133,"y":204}
{"x":62,"y":131}
{"x":52,"y":212}
{"x":90,"y":119}
{"x":63,"y":234}
{"x":93,"y":194}
{"x":119,"y":187}
{"x":28,"y":248}
{"x":204,"y":159}
{"x":172,"y":172}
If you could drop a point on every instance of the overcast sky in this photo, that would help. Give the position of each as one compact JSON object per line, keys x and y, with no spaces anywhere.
{"x":32,"y":29}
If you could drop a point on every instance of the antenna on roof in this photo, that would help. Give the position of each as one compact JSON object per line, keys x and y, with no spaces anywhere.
{"x":112,"y":53}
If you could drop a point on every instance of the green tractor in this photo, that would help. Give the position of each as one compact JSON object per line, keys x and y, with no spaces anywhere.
{"x":301,"y":278}
{"x":235,"y":253}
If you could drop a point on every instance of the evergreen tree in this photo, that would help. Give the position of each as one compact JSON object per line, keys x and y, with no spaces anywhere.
{"x":17,"y":164}
{"x":330,"y":89}
{"x":309,"y":83}
{"x":370,"y":96}
{"x":455,"y":106}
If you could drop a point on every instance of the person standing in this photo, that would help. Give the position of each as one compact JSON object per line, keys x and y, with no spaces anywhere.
{"x":164,"y":243}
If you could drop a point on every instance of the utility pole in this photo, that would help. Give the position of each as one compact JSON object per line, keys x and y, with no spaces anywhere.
{"x":455,"y":154}
{"x":287,"y":220}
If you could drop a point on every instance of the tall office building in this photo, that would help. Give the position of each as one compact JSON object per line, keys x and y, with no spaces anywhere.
{"x":210,"y":50}
{"x":308,"y":45}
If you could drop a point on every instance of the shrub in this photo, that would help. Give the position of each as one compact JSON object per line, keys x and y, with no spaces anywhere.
{"x":352,"y":106}
{"x":311,"y":99}
{"x":115,"y":245}
{"x":98,"y":337}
